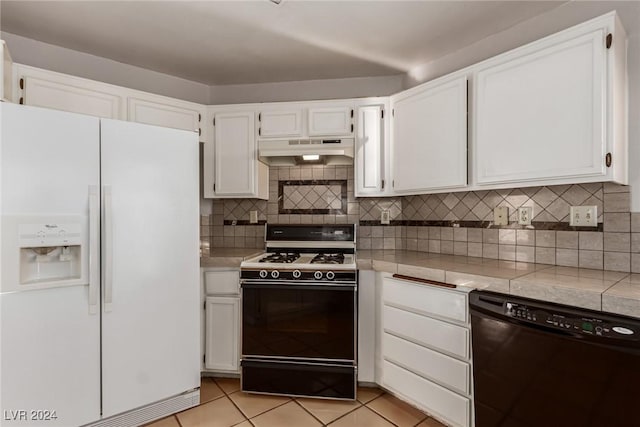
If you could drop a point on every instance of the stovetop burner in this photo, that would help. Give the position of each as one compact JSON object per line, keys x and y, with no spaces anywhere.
{"x":323,"y":258}
{"x":281,"y":257}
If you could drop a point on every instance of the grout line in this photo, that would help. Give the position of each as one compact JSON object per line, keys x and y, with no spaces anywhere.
{"x":360,"y":405}
{"x":178,"y":420}
{"x":264,"y":412}
{"x":309,"y":412}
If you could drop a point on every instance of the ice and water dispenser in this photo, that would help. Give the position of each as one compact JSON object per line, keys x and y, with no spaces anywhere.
{"x":50,"y":252}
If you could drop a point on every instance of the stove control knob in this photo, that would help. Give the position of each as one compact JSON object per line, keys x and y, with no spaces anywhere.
{"x":296,"y":274}
{"x":263,"y":274}
{"x":317,"y":275}
{"x":275,"y":274}
{"x":330,"y":275}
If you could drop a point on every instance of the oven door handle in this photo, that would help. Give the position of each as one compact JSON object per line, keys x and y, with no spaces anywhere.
{"x":293,"y":285}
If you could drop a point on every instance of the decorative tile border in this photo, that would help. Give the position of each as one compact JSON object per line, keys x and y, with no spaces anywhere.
{"x":484,"y":224}
{"x":307,"y":201}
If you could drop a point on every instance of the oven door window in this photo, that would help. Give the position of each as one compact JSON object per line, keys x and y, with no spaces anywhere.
{"x":298,"y":321}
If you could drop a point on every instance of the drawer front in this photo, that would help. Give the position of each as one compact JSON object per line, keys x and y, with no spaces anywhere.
{"x":428,"y":363}
{"x":433,"y":333}
{"x":222,"y":282}
{"x":426,"y":299}
{"x":427,"y":395}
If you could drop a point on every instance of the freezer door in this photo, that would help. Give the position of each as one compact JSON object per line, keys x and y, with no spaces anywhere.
{"x":150,"y":259}
{"x":49,"y":335}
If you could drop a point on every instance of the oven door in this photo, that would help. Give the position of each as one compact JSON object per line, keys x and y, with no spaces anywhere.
{"x":299,"y":321}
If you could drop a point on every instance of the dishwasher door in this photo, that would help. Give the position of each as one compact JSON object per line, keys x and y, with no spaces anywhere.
{"x":543,"y":364}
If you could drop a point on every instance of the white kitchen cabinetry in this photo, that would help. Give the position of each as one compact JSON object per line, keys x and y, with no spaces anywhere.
{"x":426,"y":348}
{"x":221,"y":289}
{"x":167,"y":112}
{"x":280,"y":123}
{"x":330,"y":120}
{"x":429,"y":137}
{"x":553,"y":111}
{"x":6,"y":73}
{"x":237,"y":172}
{"x":57,"y":91}
{"x":370,"y":163}
{"x":366,"y":326}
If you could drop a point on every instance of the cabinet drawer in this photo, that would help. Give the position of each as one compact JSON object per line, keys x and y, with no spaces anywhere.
{"x":433,"y":333}
{"x":426,"y":299}
{"x":425,"y":394}
{"x":443,"y":369}
{"x":222,"y":282}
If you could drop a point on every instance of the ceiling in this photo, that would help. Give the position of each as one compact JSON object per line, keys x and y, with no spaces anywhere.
{"x":232,"y":42}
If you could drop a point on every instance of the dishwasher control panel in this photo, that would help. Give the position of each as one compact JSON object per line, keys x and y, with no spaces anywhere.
{"x":571,"y":323}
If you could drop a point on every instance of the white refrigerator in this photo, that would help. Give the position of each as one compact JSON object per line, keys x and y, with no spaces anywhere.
{"x":99,"y":283}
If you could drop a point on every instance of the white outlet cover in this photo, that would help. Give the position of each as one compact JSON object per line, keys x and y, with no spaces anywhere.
{"x":253,"y":217}
{"x":525,"y":213}
{"x":385,"y":217}
{"x":583,"y":216}
{"x":501,"y":215}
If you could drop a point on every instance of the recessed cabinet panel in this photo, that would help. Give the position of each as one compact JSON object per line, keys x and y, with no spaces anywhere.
{"x":330,"y":121}
{"x":429,"y":146}
{"x":235,"y":154}
{"x":221,"y":342}
{"x":280,"y":123}
{"x":163,"y":114}
{"x":540,"y":112}
{"x":369,"y":165}
{"x":72,"y":95}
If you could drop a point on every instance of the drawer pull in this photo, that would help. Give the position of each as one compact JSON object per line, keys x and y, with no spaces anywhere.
{"x":425,"y":281}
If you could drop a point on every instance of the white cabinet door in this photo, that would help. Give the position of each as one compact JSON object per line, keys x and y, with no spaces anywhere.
{"x":429,"y":131}
{"x":330,"y":121}
{"x":221,"y":325}
{"x":540,"y":112}
{"x":369,"y":156}
{"x":6,"y":73}
{"x":280,"y":123}
{"x":165,"y":112}
{"x":235,"y":154}
{"x":72,"y":94}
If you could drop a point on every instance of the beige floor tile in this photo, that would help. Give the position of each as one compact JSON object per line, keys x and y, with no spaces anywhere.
{"x":218,"y":413}
{"x":289,"y":414}
{"x":255,"y":404}
{"x":209,"y":390}
{"x":328,"y":410}
{"x":244,"y":424}
{"x":228,"y":385}
{"x":367,"y":394}
{"x":362,"y":417}
{"x":430,"y":422}
{"x":396,"y":411}
{"x":165,"y":422}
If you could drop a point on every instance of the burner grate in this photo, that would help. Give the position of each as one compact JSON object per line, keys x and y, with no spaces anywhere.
{"x":281,"y":257}
{"x":323,"y":258}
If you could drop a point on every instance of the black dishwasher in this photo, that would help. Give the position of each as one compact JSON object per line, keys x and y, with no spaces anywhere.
{"x":544,"y":364}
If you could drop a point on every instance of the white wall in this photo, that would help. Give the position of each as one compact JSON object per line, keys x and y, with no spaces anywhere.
{"x":50,"y":57}
{"x":355,"y":87}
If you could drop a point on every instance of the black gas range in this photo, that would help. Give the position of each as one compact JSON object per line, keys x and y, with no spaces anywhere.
{"x":299,"y":313}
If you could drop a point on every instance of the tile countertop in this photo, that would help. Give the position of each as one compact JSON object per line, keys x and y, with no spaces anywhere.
{"x":609,"y":291}
{"x":228,"y":257}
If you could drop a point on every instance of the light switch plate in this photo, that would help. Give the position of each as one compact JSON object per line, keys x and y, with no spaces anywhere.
{"x":385,"y":216}
{"x":583,"y":216}
{"x":253,"y":217}
{"x":501,"y":215}
{"x":525,"y":213}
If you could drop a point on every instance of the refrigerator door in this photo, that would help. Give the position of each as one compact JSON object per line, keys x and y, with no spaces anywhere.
{"x":150,"y":259}
{"x":49,"y":334}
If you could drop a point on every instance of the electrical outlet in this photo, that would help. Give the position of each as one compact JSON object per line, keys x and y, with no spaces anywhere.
{"x":525,"y":213}
{"x":501,"y":215}
{"x":583,"y":216}
{"x":385,"y":216}
{"x":253,"y":217}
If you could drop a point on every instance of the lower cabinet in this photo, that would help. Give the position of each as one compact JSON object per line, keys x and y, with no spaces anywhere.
{"x":221,"y":343}
{"x":426,"y":348}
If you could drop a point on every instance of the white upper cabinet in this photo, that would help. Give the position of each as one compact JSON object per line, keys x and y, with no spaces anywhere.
{"x":330,"y":121}
{"x":167,"y":112}
{"x":369,"y":161}
{"x":236,"y":169}
{"x":429,"y":137}
{"x":6,"y":73}
{"x":553,"y":111}
{"x":280,"y":123}
{"x":67,"y":93}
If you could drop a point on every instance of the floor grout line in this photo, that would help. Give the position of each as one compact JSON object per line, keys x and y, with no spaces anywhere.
{"x":308,"y":412}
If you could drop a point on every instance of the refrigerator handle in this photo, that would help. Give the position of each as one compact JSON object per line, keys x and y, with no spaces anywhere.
{"x":108,"y":249}
{"x":94,"y":239}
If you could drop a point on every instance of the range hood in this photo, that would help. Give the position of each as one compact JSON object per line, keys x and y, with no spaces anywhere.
{"x":315,"y":151}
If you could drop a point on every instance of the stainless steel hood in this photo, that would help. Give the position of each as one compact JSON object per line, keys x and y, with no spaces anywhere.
{"x":297,"y":151}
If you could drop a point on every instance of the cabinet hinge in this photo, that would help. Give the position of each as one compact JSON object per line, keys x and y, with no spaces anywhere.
{"x":352,"y":113}
{"x":21,"y":84}
{"x":204,"y":305}
{"x":199,"y":131}
{"x":214,"y":121}
{"x":204,"y":358}
{"x":609,"y":40}
{"x":214,"y":187}
{"x":260,"y":131}
{"x":199,"y":117}
{"x":382,"y":114}
{"x":21,"y":100}
{"x":351,"y":127}
{"x":393,"y":112}
{"x":393,"y":183}
{"x":607,"y":160}
{"x":259,"y":117}
{"x":383,"y":184}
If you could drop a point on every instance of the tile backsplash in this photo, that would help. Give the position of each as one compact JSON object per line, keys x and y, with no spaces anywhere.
{"x":457,"y":223}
